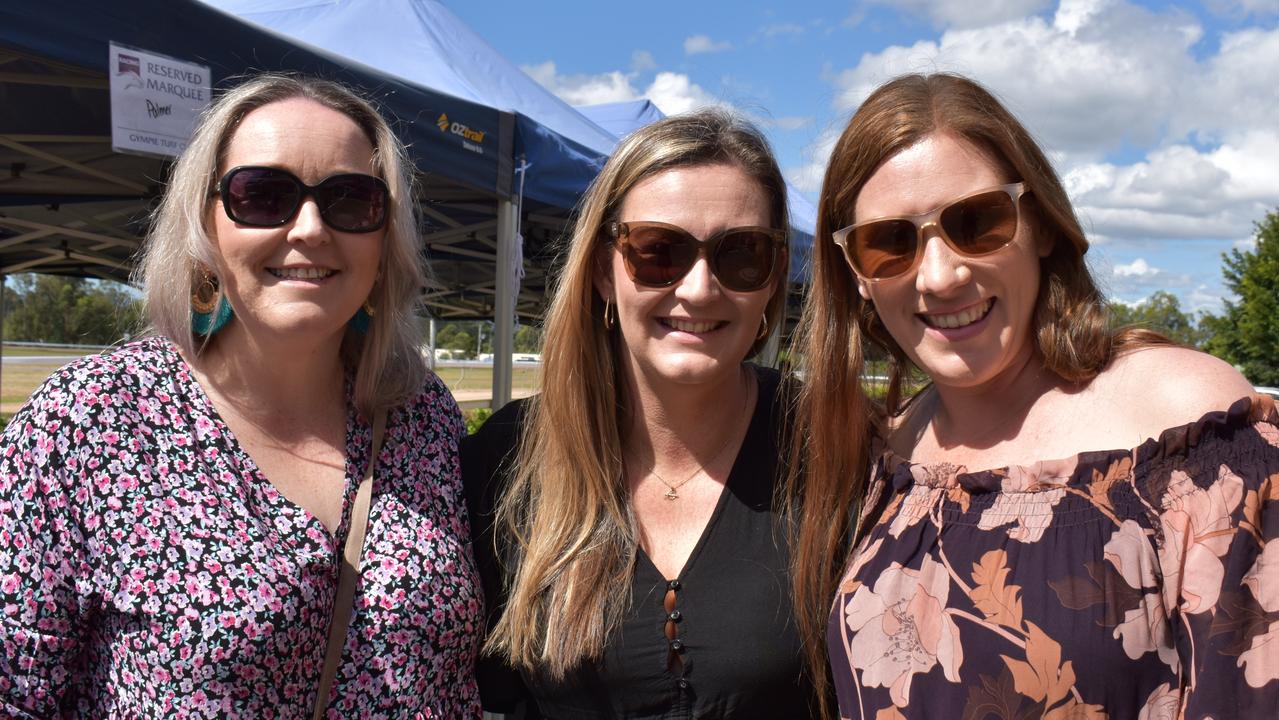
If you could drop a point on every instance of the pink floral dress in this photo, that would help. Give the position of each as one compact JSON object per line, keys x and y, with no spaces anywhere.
{"x":1122,"y":584}
{"x":149,"y":569}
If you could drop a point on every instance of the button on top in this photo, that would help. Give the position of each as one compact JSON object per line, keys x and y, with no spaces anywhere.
{"x":674,"y":585}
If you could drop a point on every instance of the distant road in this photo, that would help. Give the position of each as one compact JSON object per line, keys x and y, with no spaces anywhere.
{"x":21,"y":359}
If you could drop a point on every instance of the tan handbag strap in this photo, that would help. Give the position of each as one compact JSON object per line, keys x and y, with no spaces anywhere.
{"x":348,"y":573}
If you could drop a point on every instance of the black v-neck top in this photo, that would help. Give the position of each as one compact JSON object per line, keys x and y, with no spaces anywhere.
{"x":737,"y":636}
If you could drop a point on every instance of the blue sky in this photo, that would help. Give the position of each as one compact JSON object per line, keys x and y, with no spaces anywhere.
{"x":1162,"y":118}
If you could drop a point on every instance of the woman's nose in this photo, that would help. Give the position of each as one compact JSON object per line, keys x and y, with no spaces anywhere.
{"x":941,"y":269}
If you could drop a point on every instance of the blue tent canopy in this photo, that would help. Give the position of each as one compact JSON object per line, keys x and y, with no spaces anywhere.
{"x":622,"y":118}
{"x":422,"y":41}
{"x":77,"y":33}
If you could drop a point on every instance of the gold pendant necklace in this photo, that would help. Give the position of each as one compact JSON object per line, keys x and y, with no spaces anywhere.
{"x":672,"y":493}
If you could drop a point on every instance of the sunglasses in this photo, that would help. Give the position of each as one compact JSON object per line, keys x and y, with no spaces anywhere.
{"x":270,"y":197}
{"x":658,"y":255}
{"x":974,"y":225}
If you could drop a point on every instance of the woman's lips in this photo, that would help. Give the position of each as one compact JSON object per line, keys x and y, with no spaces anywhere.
{"x":956,"y":320}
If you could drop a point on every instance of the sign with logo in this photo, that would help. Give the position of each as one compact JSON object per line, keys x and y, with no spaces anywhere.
{"x":472,"y":140}
{"x":154,"y":100}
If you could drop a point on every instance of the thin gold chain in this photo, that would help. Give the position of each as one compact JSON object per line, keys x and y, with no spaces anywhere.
{"x":671,"y":490}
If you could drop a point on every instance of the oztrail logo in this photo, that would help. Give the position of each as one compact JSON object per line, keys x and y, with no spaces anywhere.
{"x":459,"y":129}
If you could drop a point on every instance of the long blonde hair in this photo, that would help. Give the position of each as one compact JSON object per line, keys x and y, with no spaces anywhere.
{"x":565,"y":514}
{"x":833,"y":414}
{"x":387,"y":359}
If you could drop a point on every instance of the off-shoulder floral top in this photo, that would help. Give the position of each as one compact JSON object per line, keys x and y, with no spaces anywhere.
{"x":149,"y":569}
{"x":1123,"y":584}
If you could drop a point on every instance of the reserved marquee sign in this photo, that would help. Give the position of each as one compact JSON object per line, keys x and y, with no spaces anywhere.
{"x":154,"y":101}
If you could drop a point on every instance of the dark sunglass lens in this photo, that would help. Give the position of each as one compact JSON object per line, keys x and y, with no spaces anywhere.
{"x":744,"y":260}
{"x":658,"y":255}
{"x":261,"y":196}
{"x":981,"y":224}
{"x":352,"y":203}
{"x":883,"y":249}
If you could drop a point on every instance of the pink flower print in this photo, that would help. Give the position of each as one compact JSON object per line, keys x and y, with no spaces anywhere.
{"x":901,"y":628}
{"x":1163,"y":704}
{"x":1032,"y":511}
{"x":1145,"y":627}
{"x":1261,"y":660}
{"x":919,"y":500}
{"x":861,"y":556}
{"x":1197,"y":531}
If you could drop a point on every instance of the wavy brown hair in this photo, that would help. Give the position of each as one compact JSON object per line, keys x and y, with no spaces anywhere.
{"x":564,"y":522}
{"x":833,"y":414}
{"x":387,"y":361}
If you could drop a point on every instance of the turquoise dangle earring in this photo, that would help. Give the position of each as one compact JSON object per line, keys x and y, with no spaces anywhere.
{"x":210,"y":311}
{"x":362,"y":320}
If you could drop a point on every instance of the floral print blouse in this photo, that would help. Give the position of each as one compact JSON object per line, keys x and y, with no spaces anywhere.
{"x":149,"y":569}
{"x":1122,"y":584}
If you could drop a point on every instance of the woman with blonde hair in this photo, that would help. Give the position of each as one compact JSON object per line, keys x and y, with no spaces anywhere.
{"x":1066,"y":521}
{"x":633,"y":553}
{"x":185,"y":517}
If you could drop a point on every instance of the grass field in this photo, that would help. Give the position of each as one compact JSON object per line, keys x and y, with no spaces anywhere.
{"x":470,"y":383}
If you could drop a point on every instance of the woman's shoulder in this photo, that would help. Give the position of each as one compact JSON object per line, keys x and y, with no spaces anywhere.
{"x":1168,"y":385}
{"x":119,"y":378}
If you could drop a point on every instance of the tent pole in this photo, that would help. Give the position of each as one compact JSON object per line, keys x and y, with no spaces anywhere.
{"x":430,"y":343}
{"x":4,"y":286}
{"x":504,"y":305}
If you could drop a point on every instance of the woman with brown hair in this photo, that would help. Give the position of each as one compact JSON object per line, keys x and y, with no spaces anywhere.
{"x":1066,"y":521}
{"x":639,"y":568}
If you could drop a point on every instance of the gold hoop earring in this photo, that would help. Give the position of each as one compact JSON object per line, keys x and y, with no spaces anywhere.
{"x":204,"y":299}
{"x":763,"y":331}
{"x":608,"y":316}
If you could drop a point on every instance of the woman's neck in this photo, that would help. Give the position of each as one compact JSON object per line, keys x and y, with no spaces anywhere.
{"x":675,"y":426}
{"x":265,"y":378}
{"x":956,"y":418}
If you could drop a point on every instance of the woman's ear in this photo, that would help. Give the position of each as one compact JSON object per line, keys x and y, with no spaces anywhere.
{"x":863,"y":289}
{"x":602,"y":272}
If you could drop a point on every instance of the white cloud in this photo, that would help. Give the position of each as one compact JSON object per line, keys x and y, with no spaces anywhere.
{"x":966,"y":13}
{"x":1084,"y":85}
{"x":808,"y":177}
{"x":698,"y":44}
{"x":1089,"y":85}
{"x":783,"y":123}
{"x":642,"y":61}
{"x":671,"y":92}
{"x":779,"y":29}
{"x":676,"y":93}
{"x":583,"y":89}
{"x":1244,"y":7}
{"x":1203,"y":299}
{"x":1138,"y":267}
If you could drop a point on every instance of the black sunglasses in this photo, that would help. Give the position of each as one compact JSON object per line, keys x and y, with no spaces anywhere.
{"x":269,"y":197}
{"x":658,"y":255}
{"x":974,"y":225}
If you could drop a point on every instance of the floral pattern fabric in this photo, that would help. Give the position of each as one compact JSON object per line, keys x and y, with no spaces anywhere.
{"x":1123,"y":584}
{"x":149,"y":569}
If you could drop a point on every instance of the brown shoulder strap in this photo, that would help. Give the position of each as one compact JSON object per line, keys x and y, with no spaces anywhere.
{"x":349,"y":573}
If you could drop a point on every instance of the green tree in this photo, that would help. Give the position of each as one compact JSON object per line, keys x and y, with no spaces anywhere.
{"x":528,"y":339}
{"x":1247,"y":335}
{"x":1162,"y":313}
{"x":57,"y":309}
